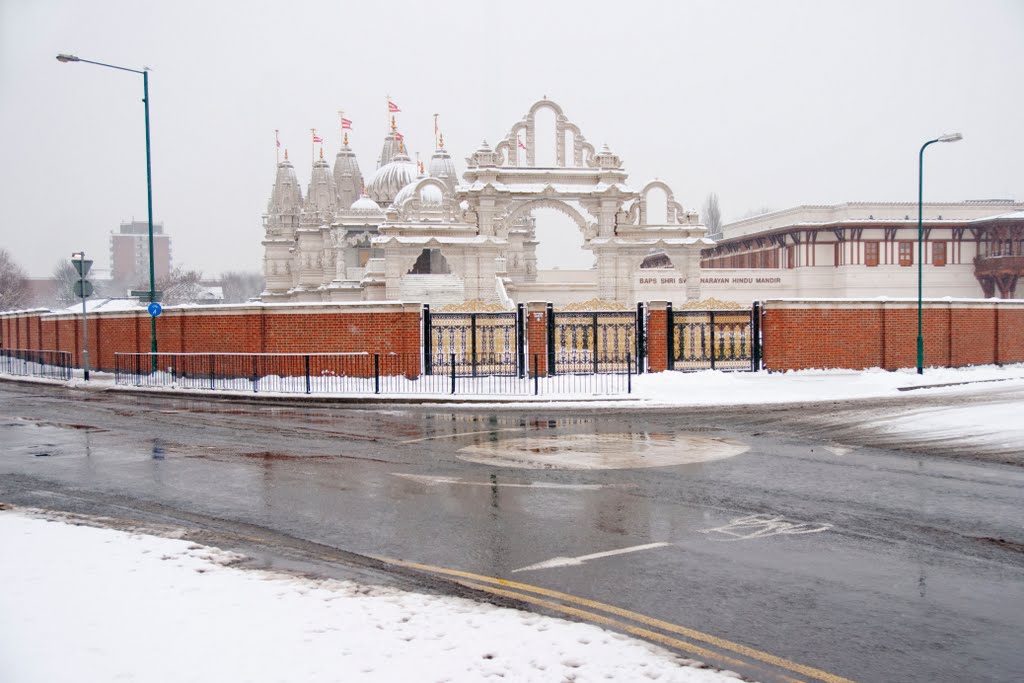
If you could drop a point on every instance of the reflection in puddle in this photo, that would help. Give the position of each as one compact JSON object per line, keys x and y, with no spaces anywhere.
{"x":601,"y":451}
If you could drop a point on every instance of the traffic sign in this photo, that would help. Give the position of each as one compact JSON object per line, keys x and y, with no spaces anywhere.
{"x":144,"y":294}
{"x":155,"y":309}
{"x":83,"y":288}
{"x":82,"y":266}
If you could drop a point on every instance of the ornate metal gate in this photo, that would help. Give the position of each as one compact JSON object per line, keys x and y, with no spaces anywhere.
{"x":595,"y":341}
{"x":714,"y":339}
{"x":482,"y":343}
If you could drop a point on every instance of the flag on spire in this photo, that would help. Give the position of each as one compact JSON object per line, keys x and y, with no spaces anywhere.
{"x":399,"y":136}
{"x":392,"y":107}
{"x":520,"y":141}
{"x":317,"y":138}
{"x":277,"y":140}
{"x":346,"y":124}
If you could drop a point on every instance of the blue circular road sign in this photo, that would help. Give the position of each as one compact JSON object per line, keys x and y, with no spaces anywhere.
{"x":155,"y":309}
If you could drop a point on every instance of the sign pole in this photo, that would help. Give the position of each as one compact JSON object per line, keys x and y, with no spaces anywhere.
{"x":85,"y":318}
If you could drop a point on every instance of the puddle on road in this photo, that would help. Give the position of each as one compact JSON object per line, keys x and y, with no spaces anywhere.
{"x":601,"y":451}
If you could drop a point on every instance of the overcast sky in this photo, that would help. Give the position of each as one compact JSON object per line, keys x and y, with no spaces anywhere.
{"x":769,"y":104}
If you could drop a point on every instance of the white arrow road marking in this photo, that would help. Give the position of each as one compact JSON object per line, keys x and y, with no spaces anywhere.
{"x":576,"y":561}
{"x":759,"y":526}
{"x":836,"y":449}
{"x":433,"y":481}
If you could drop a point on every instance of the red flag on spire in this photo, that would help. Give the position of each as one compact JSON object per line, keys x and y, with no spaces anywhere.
{"x":520,"y":141}
{"x":317,"y":138}
{"x":399,"y":136}
{"x":392,"y":107}
{"x":346,"y":124}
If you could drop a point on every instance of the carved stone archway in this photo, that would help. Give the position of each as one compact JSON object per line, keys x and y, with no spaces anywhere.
{"x":587,"y":229}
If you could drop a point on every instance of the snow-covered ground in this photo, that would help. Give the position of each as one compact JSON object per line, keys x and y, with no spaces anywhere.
{"x":80,"y":603}
{"x":709,"y":387}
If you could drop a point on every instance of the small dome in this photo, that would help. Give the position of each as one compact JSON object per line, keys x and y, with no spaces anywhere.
{"x":431,"y":194}
{"x":390,"y":178}
{"x":366,"y":205}
{"x":443,"y":168}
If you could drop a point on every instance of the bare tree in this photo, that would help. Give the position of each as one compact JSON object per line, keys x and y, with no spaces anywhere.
{"x":240,"y":286}
{"x":65,"y":276}
{"x":14,"y":292}
{"x":179,"y":287}
{"x":713,"y":216}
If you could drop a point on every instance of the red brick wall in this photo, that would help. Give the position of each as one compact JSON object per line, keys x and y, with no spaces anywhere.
{"x":1011,"y":336}
{"x":657,"y":337}
{"x":537,"y":337}
{"x":797,"y":335}
{"x":393,"y":330}
{"x":802,"y":335}
{"x":974,"y":342}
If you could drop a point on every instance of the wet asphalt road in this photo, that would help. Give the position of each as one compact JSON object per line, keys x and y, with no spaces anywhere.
{"x":823,"y":542}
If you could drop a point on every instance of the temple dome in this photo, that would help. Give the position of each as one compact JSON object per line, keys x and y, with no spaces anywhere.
{"x":389,"y":179}
{"x":442,"y":167}
{"x":366,"y":205}
{"x":430,"y":194}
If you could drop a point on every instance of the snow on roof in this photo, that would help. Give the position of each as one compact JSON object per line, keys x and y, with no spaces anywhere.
{"x":103,"y":305}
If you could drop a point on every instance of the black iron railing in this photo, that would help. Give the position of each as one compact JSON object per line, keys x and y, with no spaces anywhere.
{"x":33,"y":363}
{"x":362,"y":374}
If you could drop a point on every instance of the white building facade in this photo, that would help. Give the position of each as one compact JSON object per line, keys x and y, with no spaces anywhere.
{"x":419,"y":233}
{"x":971,"y":249}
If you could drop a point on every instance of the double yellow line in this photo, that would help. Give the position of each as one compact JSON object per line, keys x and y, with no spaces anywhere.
{"x":528,"y":593}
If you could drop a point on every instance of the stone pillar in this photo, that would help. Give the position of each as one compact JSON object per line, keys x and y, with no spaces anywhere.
{"x":606,"y":218}
{"x":485,"y":211}
{"x":537,"y":336}
{"x":657,"y":336}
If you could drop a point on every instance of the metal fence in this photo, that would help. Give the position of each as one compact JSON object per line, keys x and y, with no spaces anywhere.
{"x":32,"y":363}
{"x":359,"y":374}
{"x":715,"y":340}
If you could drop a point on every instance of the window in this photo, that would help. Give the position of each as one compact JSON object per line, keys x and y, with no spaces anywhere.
{"x":938,"y":253}
{"x":835,"y":255}
{"x":871,"y":253}
{"x":906,"y":253}
{"x":790,"y":257}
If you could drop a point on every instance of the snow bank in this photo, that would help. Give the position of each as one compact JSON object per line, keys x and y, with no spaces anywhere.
{"x":93,"y":604}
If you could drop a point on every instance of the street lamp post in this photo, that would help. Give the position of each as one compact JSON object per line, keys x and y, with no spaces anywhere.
{"x":149,"y":178}
{"x":951,"y":137}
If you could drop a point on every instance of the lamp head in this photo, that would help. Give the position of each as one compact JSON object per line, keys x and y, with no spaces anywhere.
{"x":67,"y":58}
{"x":950,"y":137}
